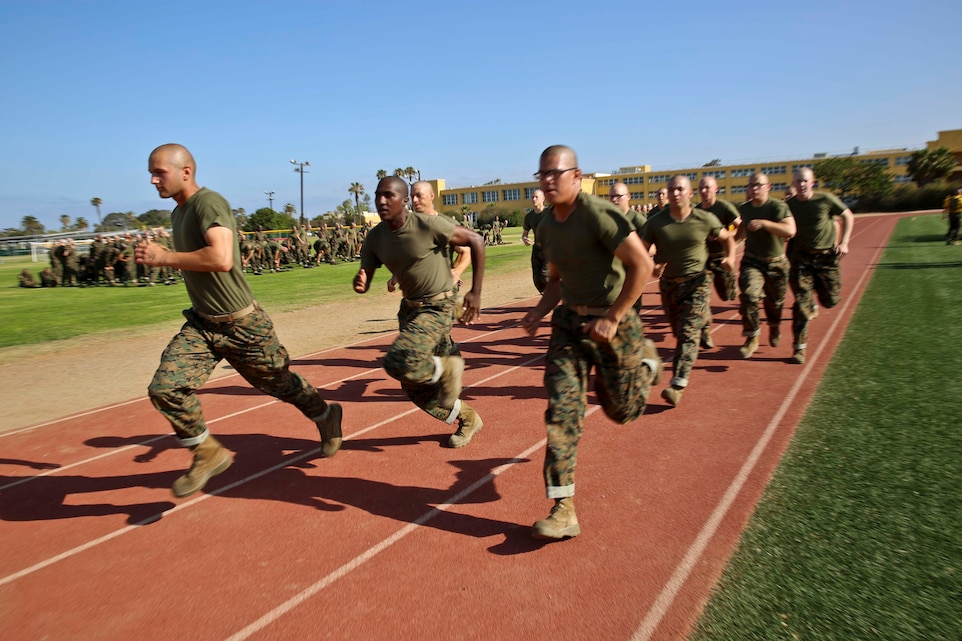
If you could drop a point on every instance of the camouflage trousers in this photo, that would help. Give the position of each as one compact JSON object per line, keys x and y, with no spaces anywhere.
{"x":723,"y":280}
{"x":762,"y":283}
{"x":622,"y":383}
{"x":425,"y":332}
{"x":250,"y":345}
{"x":813,"y":273}
{"x":686,"y":304}
{"x":539,"y":269}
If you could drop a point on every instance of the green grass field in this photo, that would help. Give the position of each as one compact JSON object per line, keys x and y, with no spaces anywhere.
{"x":31,"y":316}
{"x":859,"y":534}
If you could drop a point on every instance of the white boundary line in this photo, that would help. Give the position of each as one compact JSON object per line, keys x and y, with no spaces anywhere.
{"x":673,"y":586}
{"x":266,"y":403}
{"x":286,"y":462}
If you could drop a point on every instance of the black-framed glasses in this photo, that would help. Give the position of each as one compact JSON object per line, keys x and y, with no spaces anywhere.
{"x":551,"y":173}
{"x":758,"y":184}
{"x":617,"y":196}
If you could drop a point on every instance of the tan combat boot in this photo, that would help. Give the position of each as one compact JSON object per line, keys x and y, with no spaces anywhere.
{"x":210,"y":459}
{"x":672,"y":395}
{"x":749,"y":347}
{"x":562,"y":522}
{"x":330,"y":430}
{"x":799,"y":355}
{"x":452,"y":371}
{"x":469,"y":424}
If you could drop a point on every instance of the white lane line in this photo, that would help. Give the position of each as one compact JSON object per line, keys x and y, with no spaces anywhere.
{"x":286,"y":462}
{"x":276,"y":613}
{"x":672,"y":587}
{"x":270,"y":401}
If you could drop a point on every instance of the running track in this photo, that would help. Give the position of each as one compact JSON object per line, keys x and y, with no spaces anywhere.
{"x":397,"y":537}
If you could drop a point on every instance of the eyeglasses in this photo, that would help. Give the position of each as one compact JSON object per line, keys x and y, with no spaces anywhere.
{"x":758,"y":184}
{"x":548,"y":174}
{"x":617,"y":196}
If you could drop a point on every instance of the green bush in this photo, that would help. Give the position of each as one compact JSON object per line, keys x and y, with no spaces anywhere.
{"x":908,"y":197}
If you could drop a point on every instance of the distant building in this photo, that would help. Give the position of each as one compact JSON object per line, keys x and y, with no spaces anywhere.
{"x":643,"y":183}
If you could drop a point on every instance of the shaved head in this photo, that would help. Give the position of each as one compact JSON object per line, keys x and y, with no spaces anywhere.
{"x":172,"y":171}
{"x":176,"y":155}
{"x":563,"y":152}
{"x":396,"y":184}
{"x":422,"y":197}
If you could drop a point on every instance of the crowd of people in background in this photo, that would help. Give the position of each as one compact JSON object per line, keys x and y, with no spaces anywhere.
{"x":109,"y":261}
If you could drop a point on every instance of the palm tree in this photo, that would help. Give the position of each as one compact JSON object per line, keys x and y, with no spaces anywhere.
{"x":357,"y":189}
{"x":64,"y":222}
{"x":31,"y":225}
{"x":96,"y":202}
{"x":81,"y":224}
{"x":381,"y":174}
{"x":411,"y":172}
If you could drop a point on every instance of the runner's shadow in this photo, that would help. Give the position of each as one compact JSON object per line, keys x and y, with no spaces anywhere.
{"x":30,"y":464}
{"x":45,"y":498}
{"x":404,"y":503}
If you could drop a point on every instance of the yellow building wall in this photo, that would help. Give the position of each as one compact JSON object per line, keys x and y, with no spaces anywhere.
{"x":643,"y":183}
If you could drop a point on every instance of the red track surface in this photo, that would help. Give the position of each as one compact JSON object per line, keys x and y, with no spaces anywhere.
{"x":397,"y":537}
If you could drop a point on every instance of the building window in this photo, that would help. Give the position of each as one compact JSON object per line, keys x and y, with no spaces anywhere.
{"x":774,"y":169}
{"x":713,"y":174}
{"x":529,"y":192}
{"x":902,"y":160}
{"x":637,"y":195}
{"x":801,"y":166}
{"x":511,"y":194}
{"x":740,"y":189}
{"x":449,"y":199}
{"x":875,"y":161}
{"x":903,"y":179}
{"x":742,"y":173}
{"x":659,"y":178}
{"x":489,"y":196}
{"x":470,"y":198}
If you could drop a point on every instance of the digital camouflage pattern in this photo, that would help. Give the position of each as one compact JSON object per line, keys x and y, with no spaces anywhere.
{"x":249,"y":344}
{"x":813,"y":273}
{"x":622,"y":383}
{"x":687,"y":306}
{"x":765,"y":283}
{"x":425,"y":332}
{"x":723,"y":279}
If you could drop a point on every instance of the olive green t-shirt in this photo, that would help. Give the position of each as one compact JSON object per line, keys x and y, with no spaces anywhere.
{"x":416,"y":254}
{"x":681,"y":245}
{"x":637,"y":219}
{"x":760,"y":242}
{"x":531,"y":221}
{"x":813,"y":220}
{"x":210,"y":292}
{"x":727,"y":213}
{"x":582,"y":248}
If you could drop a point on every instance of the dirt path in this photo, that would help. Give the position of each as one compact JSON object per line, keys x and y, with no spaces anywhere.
{"x":47,"y":381}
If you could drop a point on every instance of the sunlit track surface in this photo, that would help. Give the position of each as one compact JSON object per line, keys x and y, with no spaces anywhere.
{"x":398,"y":537}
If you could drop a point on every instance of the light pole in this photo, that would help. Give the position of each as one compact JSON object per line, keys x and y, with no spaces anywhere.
{"x":270,"y":199}
{"x":300,"y":169}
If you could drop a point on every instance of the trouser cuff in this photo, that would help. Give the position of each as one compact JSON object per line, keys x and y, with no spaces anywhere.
{"x":455,"y":412}
{"x":562,"y":492}
{"x":191,"y":441}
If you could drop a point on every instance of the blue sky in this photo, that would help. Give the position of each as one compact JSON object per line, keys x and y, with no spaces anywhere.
{"x":468,"y":92}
